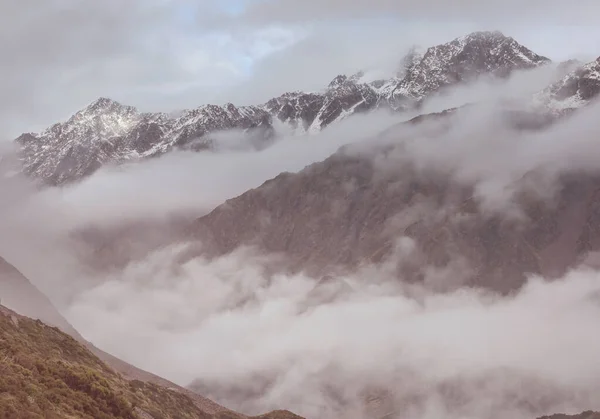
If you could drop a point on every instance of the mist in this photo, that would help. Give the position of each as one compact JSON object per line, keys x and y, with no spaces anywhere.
{"x":250,"y":342}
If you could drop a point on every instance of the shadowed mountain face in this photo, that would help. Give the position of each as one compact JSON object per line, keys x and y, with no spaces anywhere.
{"x":348,"y":210}
{"x":577,"y":89}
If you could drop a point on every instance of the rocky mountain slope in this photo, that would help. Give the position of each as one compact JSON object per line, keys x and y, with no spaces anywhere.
{"x":461,"y":60}
{"x":296,"y":204}
{"x":107,"y":132}
{"x":576,"y":90}
{"x":46,"y":373}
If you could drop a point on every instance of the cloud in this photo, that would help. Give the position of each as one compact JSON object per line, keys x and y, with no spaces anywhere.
{"x":242,"y":335}
{"x":532,"y":11}
{"x":478,"y":149}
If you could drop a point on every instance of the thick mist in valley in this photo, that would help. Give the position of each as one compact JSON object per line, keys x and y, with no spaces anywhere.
{"x":255,"y":339}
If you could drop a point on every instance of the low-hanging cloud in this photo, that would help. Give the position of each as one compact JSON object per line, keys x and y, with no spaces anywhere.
{"x":245,"y":339}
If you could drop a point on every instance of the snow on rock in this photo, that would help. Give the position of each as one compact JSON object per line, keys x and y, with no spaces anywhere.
{"x":420,"y":74}
{"x":575,"y":90}
{"x":108,"y":132}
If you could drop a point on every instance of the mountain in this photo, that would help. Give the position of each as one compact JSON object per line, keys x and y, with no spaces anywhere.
{"x":46,"y":373}
{"x":107,"y":132}
{"x":583,"y":415}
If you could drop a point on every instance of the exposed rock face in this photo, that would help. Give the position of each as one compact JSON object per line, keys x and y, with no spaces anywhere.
{"x":576,"y":90}
{"x":584,"y":415}
{"x":462,"y":60}
{"x":107,"y":132}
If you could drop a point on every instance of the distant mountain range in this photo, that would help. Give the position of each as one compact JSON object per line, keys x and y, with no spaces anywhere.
{"x":107,"y":132}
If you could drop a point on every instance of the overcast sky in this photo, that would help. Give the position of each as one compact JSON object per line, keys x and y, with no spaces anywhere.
{"x":59,"y":55}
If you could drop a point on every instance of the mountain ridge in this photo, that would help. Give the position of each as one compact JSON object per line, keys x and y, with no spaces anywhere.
{"x":106,"y":132}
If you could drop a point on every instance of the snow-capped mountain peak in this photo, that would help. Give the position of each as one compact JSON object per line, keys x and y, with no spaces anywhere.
{"x":108,"y":132}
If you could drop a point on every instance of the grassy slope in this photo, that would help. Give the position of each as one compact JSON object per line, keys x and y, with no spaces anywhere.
{"x":45,"y":373}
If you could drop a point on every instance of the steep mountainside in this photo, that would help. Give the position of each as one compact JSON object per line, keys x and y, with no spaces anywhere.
{"x":46,"y":373}
{"x":107,"y":132}
{"x":244,"y":219}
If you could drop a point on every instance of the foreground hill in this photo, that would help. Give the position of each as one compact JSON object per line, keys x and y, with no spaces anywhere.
{"x":45,"y":373}
{"x":18,"y":294}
